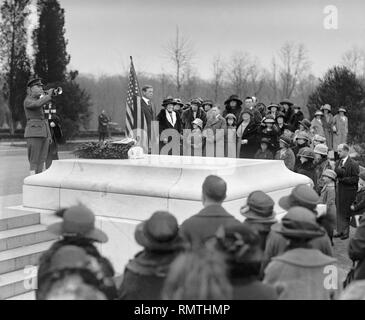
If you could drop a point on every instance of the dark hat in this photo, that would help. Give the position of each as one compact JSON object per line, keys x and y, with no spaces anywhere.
{"x":305,"y":123}
{"x":233,"y":97}
{"x":209,"y":102}
{"x":78,"y":221}
{"x":69,"y":257}
{"x":295,"y":106}
{"x":265,"y":140}
{"x":159,"y":233}
{"x":299,"y":223}
{"x":273,"y":105}
{"x":35,"y":82}
{"x":284,"y":138}
{"x":259,"y":206}
{"x":362,"y":175}
{"x":178,"y":101}
{"x":280,"y":115}
{"x":286,"y":101}
{"x":306,"y":152}
{"x":196,"y":101}
{"x":302,"y":195}
{"x":167,"y":101}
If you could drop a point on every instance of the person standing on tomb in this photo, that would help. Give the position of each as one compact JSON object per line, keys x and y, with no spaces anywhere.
{"x":103,"y":128}
{"x":247,"y":135}
{"x":193,"y":112}
{"x":37,"y":131}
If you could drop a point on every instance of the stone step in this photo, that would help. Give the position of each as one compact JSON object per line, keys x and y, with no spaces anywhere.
{"x":12,"y":218}
{"x":20,"y":237}
{"x":30,"y":295}
{"x":19,"y":258}
{"x":17,"y":282}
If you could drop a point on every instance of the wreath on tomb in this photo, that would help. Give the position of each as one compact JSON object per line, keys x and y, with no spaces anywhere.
{"x":104,"y":150}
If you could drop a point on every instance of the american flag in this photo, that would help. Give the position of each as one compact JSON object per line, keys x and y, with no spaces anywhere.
{"x":136,"y":124}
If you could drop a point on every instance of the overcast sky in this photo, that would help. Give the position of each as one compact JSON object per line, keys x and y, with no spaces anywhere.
{"x":102,"y":34}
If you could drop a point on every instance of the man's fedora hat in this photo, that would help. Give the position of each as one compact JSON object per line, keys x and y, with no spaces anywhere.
{"x":302,"y":195}
{"x":299,"y":223}
{"x":260,"y":207}
{"x":35,"y":82}
{"x":286,"y":101}
{"x":159,"y":233}
{"x":78,"y":221}
{"x":234,"y":97}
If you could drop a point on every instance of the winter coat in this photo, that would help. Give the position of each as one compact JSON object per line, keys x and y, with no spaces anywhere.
{"x":300,"y":273}
{"x":328,"y":197}
{"x":214,"y":132}
{"x":340,"y":134}
{"x":294,"y":120}
{"x":276,"y":244}
{"x":328,"y":130}
{"x":288,"y":114}
{"x":359,"y":203}
{"x":265,"y":155}
{"x":347,"y":185}
{"x":188,"y":117}
{"x":306,"y":168}
{"x":165,"y":124}
{"x":357,"y":250}
{"x":318,"y":171}
{"x":272,"y":135}
{"x":103,"y":121}
{"x":144,"y":276}
{"x":250,"y":134}
{"x":262,"y":228}
{"x":252,"y":289}
{"x":317,"y":127}
{"x":201,"y":227}
{"x":288,"y":157}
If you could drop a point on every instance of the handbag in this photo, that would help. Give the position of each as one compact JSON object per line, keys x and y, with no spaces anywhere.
{"x":350,"y":275}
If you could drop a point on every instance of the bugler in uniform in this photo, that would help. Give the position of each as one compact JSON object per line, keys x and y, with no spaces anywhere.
{"x":37,"y":131}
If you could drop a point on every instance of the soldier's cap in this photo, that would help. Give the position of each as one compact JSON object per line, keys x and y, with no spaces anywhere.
{"x":78,"y":221}
{"x":302,"y":195}
{"x":35,"y":82}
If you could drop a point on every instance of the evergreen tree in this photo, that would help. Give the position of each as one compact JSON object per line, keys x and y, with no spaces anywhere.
{"x":51,"y":58}
{"x":340,"y":87}
{"x":14,"y":61}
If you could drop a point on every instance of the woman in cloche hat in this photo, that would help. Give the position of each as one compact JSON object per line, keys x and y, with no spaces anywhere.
{"x":328,"y":125}
{"x":340,"y":129}
{"x":300,"y":269}
{"x":317,"y":123}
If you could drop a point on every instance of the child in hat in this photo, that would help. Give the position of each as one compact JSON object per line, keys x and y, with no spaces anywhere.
{"x":230,"y":137}
{"x":285,"y":153}
{"x":358,"y":206}
{"x":328,"y":197}
{"x":264,"y":152}
{"x":195,"y":138}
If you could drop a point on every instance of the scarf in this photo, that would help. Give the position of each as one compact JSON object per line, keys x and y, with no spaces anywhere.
{"x":171,"y":117}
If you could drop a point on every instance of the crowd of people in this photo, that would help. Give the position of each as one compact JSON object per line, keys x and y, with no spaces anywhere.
{"x":211,"y":255}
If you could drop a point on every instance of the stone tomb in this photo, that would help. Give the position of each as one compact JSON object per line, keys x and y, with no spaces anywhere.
{"x":124,"y":192}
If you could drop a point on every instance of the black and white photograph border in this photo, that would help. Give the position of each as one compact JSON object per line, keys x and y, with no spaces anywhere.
{"x":182,"y":150}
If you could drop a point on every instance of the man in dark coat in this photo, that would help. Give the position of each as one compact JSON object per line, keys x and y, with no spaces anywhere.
{"x":296,"y":117}
{"x":148,"y":108}
{"x":201,"y":227}
{"x":193,"y":112}
{"x":287,"y":109}
{"x":145,"y":274}
{"x":103,"y":121}
{"x":347,"y":171}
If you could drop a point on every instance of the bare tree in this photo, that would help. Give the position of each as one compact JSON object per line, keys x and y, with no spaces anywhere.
{"x":180,"y":53}
{"x":354,"y":59}
{"x":293,"y":64}
{"x":256,"y":76}
{"x":238,"y":71}
{"x":218,"y":76}
{"x":273,"y":78}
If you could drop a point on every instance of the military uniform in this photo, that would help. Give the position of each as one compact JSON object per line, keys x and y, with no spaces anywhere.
{"x":37,"y":131}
